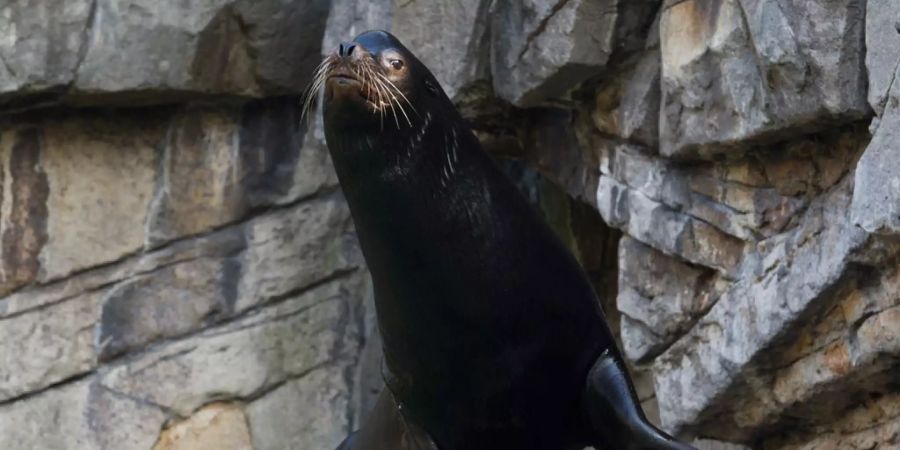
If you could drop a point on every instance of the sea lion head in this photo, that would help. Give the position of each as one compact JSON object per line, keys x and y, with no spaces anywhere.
{"x":374,"y":83}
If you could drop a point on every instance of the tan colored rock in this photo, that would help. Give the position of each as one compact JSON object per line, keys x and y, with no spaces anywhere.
{"x":202,"y":186}
{"x":219,"y":426}
{"x":219,"y":163}
{"x":101,"y":172}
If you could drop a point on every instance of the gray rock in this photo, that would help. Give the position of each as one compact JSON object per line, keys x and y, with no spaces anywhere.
{"x":165,"y":304}
{"x":96,"y":219}
{"x":540,"y":49}
{"x":876,"y":195}
{"x":36,"y":297}
{"x":738,"y":72}
{"x":659,"y":297}
{"x":709,"y":444}
{"x":295,"y":248}
{"x":58,"y":343}
{"x":666,"y":229}
{"x":882,"y":49}
{"x":80,"y":416}
{"x":221,"y":163}
{"x":144,"y":51}
{"x":308,"y":412}
{"x":693,"y":374}
{"x":451,"y":39}
{"x":43,"y":43}
{"x":247,"y":358}
{"x":217,"y":47}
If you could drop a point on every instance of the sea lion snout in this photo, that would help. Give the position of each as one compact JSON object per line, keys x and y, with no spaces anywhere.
{"x":346,"y":48}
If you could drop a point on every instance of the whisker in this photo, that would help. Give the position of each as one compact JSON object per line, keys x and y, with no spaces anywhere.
{"x":399,"y":92}
{"x":394,"y":97}
{"x":312,"y":90}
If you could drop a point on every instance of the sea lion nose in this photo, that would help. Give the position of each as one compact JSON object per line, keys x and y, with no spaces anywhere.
{"x":346,"y":48}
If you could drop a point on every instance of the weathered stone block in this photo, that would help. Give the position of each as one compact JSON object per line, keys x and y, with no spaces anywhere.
{"x":243,"y":359}
{"x":24,"y":208}
{"x":659,"y":296}
{"x":541,"y":49}
{"x":693,"y":375}
{"x":47,"y":346}
{"x":882,"y":49}
{"x":221,"y":163}
{"x":291,"y":249}
{"x":99,"y":193}
{"x":451,"y":38}
{"x":666,"y":229}
{"x":735,"y":72}
{"x":219,"y":426}
{"x":200,"y":187}
{"x":876,"y":196}
{"x":42,"y":44}
{"x":628,"y":106}
{"x":151,"y":48}
{"x":147,"y":51}
{"x":308,"y":412}
{"x":165,"y":304}
{"x":80,"y":416}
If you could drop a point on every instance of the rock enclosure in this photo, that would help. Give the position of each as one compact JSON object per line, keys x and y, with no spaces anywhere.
{"x":179,"y":269}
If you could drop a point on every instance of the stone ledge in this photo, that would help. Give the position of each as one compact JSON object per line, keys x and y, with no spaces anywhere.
{"x":694,"y":375}
{"x":149,"y":51}
{"x":740,"y":72}
{"x":94,"y":317}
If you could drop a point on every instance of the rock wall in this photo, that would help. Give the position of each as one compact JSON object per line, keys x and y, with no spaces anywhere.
{"x":178,"y":268}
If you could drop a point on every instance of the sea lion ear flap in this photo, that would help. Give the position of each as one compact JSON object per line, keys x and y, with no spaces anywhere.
{"x":431,"y":87}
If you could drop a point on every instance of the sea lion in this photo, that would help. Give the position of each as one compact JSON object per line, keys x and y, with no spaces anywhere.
{"x":492,"y":334}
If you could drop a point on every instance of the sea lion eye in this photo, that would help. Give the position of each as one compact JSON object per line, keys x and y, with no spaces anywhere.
{"x":396,"y":64}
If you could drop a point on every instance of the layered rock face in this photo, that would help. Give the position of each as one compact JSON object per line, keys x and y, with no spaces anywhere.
{"x":179,"y":269}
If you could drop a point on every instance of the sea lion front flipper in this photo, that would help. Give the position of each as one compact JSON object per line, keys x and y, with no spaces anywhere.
{"x":615,"y":415}
{"x":387,"y":428}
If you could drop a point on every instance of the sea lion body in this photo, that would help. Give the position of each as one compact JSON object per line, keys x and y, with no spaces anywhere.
{"x":490,"y":327}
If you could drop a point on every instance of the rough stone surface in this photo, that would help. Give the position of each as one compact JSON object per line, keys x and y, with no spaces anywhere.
{"x":876,"y":199}
{"x":59,"y":344}
{"x":217,"y":426}
{"x":659,"y":297}
{"x":303,"y":413}
{"x":628,"y":107}
{"x":243,"y":359}
{"x":737,"y":72}
{"x":42,"y":45}
{"x":450,"y":38}
{"x":541,"y":49}
{"x":882,"y":49}
{"x":99,"y":218}
{"x":178,"y":268}
{"x":80,"y":416}
{"x":158,"y":51}
{"x":218,"y":165}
